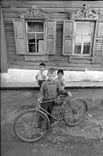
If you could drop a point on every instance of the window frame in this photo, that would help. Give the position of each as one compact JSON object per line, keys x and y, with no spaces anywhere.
{"x":92,"y":42}
{"x":34,"y":21}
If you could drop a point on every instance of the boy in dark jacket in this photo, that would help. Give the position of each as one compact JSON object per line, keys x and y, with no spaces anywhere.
{"x":49,"y":91}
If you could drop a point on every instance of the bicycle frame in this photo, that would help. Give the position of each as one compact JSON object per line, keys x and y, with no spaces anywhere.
{"x":42,"y":109}
{"x":57,"y":101}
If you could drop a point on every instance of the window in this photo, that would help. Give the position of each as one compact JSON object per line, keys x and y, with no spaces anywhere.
{"x":83,"y":40}
{"x":35,"y":37}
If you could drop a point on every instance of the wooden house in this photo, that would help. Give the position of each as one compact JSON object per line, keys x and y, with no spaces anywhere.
{"x":62,"y":34}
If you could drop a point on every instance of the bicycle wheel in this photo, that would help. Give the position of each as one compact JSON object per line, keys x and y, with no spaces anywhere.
{"x":31,"y":125}
{"x":74,"y":111}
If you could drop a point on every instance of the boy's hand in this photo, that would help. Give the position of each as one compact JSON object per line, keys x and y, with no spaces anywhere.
{"x":37,"y":106}
{"x":69,"y":94}
{"x":39,"y":100}
{"x":44,"y":77}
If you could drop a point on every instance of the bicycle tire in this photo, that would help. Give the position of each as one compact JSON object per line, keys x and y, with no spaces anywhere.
{"x":26,"y":125}
{"x":74,"y":111}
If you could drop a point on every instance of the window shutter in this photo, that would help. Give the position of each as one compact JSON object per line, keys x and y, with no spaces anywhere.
{"x":68,"y":37}
{"x":100,"y":30}
{"x":98,"y":43}
{"x":20,"y":36}
{"x":50,"y":36}
{"x":100,"y":37}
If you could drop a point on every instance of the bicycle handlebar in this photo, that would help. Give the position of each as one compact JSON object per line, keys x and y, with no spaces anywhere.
{"x":55,"y":100}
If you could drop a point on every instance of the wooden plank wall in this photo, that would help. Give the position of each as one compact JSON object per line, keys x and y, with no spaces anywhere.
{"x":11,"y":10}
{"x":3,"y":58}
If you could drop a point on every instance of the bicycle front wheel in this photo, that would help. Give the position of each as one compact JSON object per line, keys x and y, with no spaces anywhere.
{"x":31,"y":125}
{"x":74,"y":111}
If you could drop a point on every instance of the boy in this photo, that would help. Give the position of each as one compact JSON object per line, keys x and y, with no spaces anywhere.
{"x":60,"y":79}
{"x":49,"y":91}
{"x":41,"y":76}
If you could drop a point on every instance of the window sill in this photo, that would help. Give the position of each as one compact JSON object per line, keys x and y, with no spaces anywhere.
{"x":36,"y":58}
{"x":35,"y":54}
{"x":82,"y":57}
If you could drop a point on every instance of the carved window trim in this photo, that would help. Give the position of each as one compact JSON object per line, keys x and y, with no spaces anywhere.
{"x":34,"y":13}
{"x":86,"y":13}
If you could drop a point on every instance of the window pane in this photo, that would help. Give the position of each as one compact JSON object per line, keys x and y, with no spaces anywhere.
{"x":78,"y":49}
{"x":35,"y":27}
{"x":39,"y":36}
{"x":40,"y":46}
{"x":32,"y":48}
{"x":40,"y":42}
{"x":31,"y":36}
{"x":78,"y":39}
{"x":84,"y":27}
{"x":31,"y":43}
{"x":86,"y":48}
{"x":87,"y":39}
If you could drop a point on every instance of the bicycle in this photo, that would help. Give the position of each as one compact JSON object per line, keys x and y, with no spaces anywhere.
{"x":29,"y":128}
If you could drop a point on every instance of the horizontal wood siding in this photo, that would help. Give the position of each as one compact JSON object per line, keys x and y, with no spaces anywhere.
{"x":59,"y":36}
{"x":11,"y":10}
{"x":99,"y":47}
{"x":50,"y":4}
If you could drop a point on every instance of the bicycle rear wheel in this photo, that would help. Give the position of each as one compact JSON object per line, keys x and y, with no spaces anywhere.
{"x":31,"y":125}
{"x":74,"y":111}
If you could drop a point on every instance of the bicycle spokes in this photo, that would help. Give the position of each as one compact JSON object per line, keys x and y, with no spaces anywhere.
{"x":74,"y":111}
{"x":29,"y":126}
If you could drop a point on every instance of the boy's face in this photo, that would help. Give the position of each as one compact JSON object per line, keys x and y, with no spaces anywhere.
{"x":60,"y":75}
{"x":51,"y":76}
{"x":42,"y":68}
